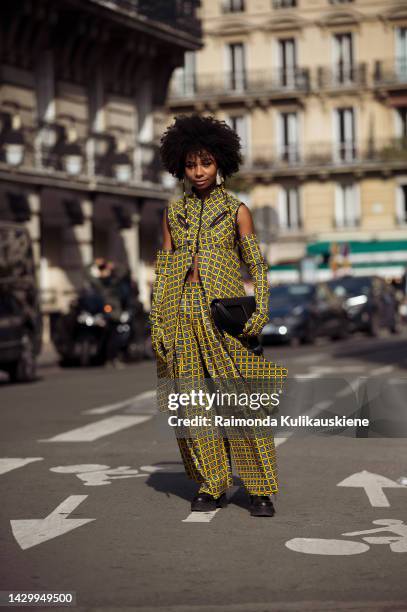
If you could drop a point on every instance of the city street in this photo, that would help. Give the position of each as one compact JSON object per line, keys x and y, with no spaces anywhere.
{"x":95,"y":500}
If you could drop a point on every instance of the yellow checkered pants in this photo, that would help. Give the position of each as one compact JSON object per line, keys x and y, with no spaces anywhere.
{"x":200,"y":353}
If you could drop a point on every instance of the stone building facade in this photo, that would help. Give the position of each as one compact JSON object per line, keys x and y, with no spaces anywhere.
{"x":82,"y":87}
{"x":317,"y":90}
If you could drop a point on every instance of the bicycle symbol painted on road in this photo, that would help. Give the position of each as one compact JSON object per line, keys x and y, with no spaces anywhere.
{"x":321,"y":546}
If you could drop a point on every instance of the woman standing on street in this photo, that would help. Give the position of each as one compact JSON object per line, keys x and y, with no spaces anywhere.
{"x":198,"y":262}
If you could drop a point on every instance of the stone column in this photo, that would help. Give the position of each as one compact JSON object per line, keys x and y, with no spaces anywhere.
{"x":34,"y":226}
{"x":131,"y":240}
{"x":77,"y":250}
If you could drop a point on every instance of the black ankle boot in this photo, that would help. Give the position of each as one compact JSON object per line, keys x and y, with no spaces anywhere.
{"x":261,"y":505}
{"x":204,"y":502}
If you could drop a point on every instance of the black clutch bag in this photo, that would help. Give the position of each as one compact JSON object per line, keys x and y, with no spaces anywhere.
{"x":231,"y":314}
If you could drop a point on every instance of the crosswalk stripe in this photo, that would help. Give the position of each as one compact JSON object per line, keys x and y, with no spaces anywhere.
{"x":141,"y":397}
{"x":7,"y":464}
{"x":98,"y":429}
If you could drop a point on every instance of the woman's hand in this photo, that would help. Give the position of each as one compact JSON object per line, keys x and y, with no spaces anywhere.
{"x":255,"y":324}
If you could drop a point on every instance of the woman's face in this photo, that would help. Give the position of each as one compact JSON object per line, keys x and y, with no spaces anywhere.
{"x":200,"y":169}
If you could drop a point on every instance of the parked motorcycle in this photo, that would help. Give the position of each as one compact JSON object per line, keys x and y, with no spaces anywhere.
{"x":92,"y":332}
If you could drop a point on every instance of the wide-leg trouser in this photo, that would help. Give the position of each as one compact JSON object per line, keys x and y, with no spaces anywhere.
{"x":201,"y":352}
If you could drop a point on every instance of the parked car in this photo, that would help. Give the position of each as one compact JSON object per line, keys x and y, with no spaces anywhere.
{"x":304,"y":311}
{"x":369,"y":301}
{"x":20,"y":316}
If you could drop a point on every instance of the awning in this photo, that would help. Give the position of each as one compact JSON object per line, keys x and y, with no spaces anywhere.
{"x":359,"y":246}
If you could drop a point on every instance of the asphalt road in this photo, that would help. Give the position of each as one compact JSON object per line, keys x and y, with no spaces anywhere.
{"x":95,"y":500}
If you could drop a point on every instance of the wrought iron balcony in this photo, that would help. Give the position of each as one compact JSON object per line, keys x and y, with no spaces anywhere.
{"x":347,"y":222}
{"x":239,"y":83}
{"x":390,"y":73}
{"x":180,"y":14}
{"x":277,"y":4}
{"x":50,"y":149}
{"x":233,"y":6}
{"x":324,"y":156}
{"x":342,"y":76}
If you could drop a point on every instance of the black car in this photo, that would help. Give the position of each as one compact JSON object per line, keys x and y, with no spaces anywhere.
{"x":20,"y":316}
{"x":304,"y":311}
{"x":369,"y":301}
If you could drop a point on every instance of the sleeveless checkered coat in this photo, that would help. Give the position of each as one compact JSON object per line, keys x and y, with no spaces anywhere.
{"x":218,"y":265}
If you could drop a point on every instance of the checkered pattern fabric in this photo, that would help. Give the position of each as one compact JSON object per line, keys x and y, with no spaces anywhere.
{"x":206,"y":454}
{"x":253,"y":258}
{"x":195,"y":349}
{"x":162,"y":269}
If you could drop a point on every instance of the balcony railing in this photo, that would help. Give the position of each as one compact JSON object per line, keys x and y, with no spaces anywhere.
{"x":179,"y":15}
{"x":49,"y":150}
{"x":346,"y":222}
{"x":327,"y":155}
{"x":279,"y":81}
{"x":277,"y":4}
{"x":390,"y":73}
{"x":341,"y":76}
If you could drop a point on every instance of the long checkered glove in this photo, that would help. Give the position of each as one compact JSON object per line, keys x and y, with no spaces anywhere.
{"x":162,"y":270}
{"x":253,"y":258}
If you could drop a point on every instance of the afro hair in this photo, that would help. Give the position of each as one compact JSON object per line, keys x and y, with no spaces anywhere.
{"x":194,"y":133}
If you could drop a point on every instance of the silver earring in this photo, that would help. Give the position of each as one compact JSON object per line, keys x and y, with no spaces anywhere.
{"x":219,"y":178}
{"x":186,"y":183}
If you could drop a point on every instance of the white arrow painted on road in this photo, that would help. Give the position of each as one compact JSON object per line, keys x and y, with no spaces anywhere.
{"x":32,"y":532}
{"x":12,"y":463}
{"x":373,"y":485}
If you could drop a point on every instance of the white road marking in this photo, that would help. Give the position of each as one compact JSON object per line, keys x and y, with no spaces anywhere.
{"x":206,"y":517}
{"x":200,"y":517}
{"x":32,"y":532}
{"x":141,"y":397}
{"x":99,"y":429}
{"x":397,"y":381}
{"x":319,"y":407}
{"x":162,"y":467}
{"x":352,"y":389}
{"x":320,"y":546}
{"x":382,"y":370}
{"x":311,"y":358}
{"x":319,"y":370}
{"x":373,"y":485}
{"x":97,"y":474}
{"x":12,"y":463}
{"x":280,"y":441}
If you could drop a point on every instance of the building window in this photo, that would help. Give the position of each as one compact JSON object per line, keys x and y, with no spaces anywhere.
{"x":284,"y":4}
{"x":343,"y":58}
{"x":233,"y":6}
{"x":401,"y":204}
{"x":347,"y":209}
{"x":401,"y":53}
{"x":236,"y":66}
{"x":401,"y":122}
{"x":239,"y":123}
{"x":185,"y":76}
{"x":287,"y":61}
{"x":289,"y":209}
{"x":288,"y":143}
{"x":345,"y":147}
